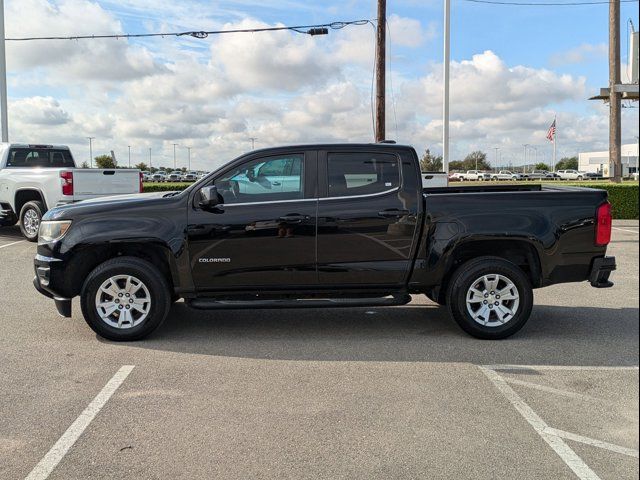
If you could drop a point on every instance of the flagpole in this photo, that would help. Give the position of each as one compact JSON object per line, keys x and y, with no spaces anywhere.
{"x":555,"y":141}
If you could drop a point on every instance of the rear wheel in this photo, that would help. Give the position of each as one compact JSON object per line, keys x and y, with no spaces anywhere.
{"x":490,"y":298}
{"x":30,"y":217}
{"x":125,"y":299}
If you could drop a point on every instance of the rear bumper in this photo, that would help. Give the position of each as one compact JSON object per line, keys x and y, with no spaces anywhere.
{"x":600,"y":272}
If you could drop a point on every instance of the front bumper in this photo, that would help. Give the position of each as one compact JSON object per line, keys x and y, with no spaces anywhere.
{"x":600,"y":271}
{"x":42,"y":281}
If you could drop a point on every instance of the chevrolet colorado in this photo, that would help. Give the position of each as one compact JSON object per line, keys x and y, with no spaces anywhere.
{"x":322,"y":226}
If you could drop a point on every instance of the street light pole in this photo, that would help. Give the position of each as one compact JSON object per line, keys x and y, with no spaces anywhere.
{"x":496,"y":149}
{"x":380,"y":122}
{"x":91,"y":150}
{"x":3,"y":79}
{"x":445,"y":99}
{"x":189,"y":157}
{"x":150,"y":165}
{"x":129,"y":147}
{"x":253,"y":142}
{"x":174,"y":155}
{"x":524,"y":167}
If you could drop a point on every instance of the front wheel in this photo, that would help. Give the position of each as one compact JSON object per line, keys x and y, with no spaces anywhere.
{"x":125,"y":299}
{"x":30,"y":217}
{"x":490,"y":298}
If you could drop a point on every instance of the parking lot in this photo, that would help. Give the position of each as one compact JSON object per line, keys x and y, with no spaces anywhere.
{"x":350,"y":393}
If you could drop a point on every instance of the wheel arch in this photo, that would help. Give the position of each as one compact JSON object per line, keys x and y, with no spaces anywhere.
{"x":520,"y":252}
{"x":25,"y":195}
{"x":85,"y":258}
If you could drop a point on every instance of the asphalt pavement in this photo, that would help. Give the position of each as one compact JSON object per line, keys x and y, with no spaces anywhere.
{"x":399,"y":392}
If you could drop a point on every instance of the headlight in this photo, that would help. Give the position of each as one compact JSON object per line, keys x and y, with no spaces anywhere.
{"x":53,"y":231}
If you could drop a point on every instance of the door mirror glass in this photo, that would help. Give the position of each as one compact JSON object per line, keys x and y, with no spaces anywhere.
{"x":209,"y":197}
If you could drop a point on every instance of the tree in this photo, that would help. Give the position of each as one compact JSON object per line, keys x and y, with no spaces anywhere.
{"x":141,"y":166}
{"x":105,"y":161}
{"x":456,"y":165}
{"x":476,"y":161}
{"x":84,"y":165}
{"x":430,"y":163}
{"x":541,"y":166}
{"x":567,"y":163}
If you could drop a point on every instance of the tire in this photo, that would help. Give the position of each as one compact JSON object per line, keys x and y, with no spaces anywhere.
{"x":467,"y":276}
{"x":154,"y":288}
{"x":30,"y":217}
{"x":580,"y":178}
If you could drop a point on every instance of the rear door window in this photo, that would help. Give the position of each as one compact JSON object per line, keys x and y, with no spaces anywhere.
{"x":362,"y":173}
{"x":39,"y":158}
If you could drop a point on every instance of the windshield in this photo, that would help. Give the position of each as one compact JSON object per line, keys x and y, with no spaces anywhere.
{"x":34,"y":157}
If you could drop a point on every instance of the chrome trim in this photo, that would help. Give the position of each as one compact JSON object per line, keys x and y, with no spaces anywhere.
{"x":225,"y":205}
{"x":42,"y":258}
{"x":379,"y":194}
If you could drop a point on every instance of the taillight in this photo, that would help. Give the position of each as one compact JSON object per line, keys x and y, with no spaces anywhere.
{"x":141,"y":185}
{"x":604,"y":219}
{"x":67,"y":183}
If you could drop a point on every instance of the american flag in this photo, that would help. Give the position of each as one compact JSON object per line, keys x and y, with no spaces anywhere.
{"x":551,"y":134}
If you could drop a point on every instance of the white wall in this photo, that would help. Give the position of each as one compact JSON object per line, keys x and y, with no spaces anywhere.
{"x":599,"y":161}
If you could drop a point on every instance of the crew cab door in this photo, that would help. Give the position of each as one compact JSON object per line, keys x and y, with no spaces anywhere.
{"x":367,"y":218}
{"x":264,"y":231}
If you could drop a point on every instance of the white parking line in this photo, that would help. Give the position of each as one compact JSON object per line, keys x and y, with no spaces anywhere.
{"x":625,"y":230}
{"x":571,"y":458}
{"x":44,"y":468}
{"x":9,"y":244}
{"x":556,"y":391}
{"x":558,"y":367}
{"x":592,"y":441}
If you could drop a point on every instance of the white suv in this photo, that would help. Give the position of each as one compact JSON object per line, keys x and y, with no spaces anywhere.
{"x":570,"y":175}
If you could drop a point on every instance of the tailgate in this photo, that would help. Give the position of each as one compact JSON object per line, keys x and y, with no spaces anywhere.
{"x":91,"y":182}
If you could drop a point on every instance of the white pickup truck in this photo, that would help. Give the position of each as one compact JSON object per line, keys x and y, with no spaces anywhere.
{"x":34,"y":178}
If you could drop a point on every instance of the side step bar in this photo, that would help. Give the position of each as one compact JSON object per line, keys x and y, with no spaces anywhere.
{"x":213,"y":304}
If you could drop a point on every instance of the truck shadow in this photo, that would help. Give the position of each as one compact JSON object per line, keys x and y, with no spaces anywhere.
{"x":414,"y":333}
{"x":10,"y":233}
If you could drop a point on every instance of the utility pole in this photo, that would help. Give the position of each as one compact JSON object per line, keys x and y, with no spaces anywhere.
{"x":526,"y":145}
{"x":3,"y":79}
{"x":496,"y":165}
{"x":253,"y":142}
{"x":445,"y":78}
{"x":129,"y":147}
{"x":174,"y":155}
{"x":189,"y":157}
{"x":150,"y":158}
{"x":380,"y":70}
{"x":91,"y":139}
{"x":615,"y":106}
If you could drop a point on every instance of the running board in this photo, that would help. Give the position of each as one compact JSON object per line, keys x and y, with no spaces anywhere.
{"x":213,"y":304}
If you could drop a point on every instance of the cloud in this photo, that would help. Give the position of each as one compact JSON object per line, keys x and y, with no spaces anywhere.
{"x":96,"y":60}
{"x":280,"y":87}
{"x":408,"y":32}
{"x":581,"y":54}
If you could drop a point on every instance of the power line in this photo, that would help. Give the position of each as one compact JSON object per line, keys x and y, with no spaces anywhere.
{"x":550,"y":4}
{"x":318,"y":29}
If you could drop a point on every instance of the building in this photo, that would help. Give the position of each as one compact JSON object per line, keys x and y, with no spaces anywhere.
{"x":598,"y":162}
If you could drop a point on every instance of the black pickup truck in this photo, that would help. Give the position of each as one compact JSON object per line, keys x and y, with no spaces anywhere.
{"x":322,"y":226}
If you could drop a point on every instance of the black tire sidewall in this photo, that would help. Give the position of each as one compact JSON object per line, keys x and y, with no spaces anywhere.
{"x":471,"y":271}
{"x":39,"y":209}
{"x":145,"y":272}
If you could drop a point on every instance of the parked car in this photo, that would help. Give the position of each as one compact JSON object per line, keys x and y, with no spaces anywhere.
{"x":570,"y":175}
{"x":175,"y":176}
{"x":475,"y":175}
{"x":537,"y":175}
{"x":146,"y":176}
{"x":456,"y":177}
{"x":635,"y":176}
{"x":158,"y":177}
{"x":35,"y":178}
{"x":593,"y":176}
{"x":190,"y":177}
{"x":351,"y":226}
{"x":506,"y":175}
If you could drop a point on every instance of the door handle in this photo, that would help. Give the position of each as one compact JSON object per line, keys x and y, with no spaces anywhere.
{"x":276,"y":184}
{"x":294,"y":218}
{"x":393,"y":213}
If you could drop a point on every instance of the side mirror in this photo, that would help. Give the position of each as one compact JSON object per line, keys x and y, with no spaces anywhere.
{"x":209,"y":197}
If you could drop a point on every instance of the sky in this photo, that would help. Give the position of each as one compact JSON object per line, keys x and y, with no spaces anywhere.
{"x":513,"y":70}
